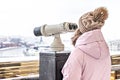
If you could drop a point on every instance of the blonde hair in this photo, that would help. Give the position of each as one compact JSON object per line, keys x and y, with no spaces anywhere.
{"x":99,"y":15}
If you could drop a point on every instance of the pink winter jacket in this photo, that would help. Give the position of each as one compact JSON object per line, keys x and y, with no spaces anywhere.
{"x":90,"y":60}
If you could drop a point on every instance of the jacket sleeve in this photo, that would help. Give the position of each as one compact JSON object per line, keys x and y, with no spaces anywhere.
{"x":73,"y":67}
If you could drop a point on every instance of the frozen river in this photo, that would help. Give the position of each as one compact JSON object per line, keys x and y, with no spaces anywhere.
{"x":15,"y":54}
{"x":12,"y":52}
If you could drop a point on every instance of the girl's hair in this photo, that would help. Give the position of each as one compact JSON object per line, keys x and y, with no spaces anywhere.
{"x":76,"y":35}
{"x":99,"y":15}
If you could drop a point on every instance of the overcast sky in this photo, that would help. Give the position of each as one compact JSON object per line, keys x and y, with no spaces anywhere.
{"x":19,"y":17}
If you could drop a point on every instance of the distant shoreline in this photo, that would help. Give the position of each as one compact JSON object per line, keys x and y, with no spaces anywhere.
{"x":8,"y":48}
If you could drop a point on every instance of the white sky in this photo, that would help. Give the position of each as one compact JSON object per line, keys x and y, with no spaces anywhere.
{"x":19,"y":17}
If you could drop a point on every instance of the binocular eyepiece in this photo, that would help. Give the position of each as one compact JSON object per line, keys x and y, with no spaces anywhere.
{"x":72,"y":26}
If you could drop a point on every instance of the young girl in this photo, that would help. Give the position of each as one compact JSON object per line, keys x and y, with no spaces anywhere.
{"x":90,"y":60}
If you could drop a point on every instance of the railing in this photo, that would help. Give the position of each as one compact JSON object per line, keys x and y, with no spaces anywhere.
{"x":115,"y":72}
{"x":19,"y":69}
{"x":29,"y":69}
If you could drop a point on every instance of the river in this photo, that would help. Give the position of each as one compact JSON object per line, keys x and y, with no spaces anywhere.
{"x":15,"y":54}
